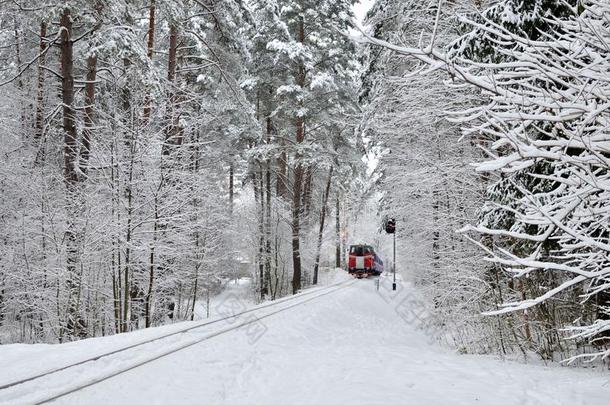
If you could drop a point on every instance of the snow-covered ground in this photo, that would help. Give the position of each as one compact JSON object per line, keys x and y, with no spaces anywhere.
{"x":355,"y":346}
{"x":241,"y":288}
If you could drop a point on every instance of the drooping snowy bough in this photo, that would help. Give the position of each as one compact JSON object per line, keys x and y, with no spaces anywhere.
{"x":545,"y":126}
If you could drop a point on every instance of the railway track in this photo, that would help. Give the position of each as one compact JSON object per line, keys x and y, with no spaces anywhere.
{"x":283,"y":304}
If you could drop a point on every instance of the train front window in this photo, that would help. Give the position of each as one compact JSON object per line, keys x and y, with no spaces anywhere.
{"x":357,"y":250}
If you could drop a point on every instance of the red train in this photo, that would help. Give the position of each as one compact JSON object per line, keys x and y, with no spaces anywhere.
{"x":363,"y":261}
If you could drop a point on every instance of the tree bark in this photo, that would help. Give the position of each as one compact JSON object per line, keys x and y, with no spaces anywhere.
{"x":268,"y":211}
{"x":91,"y":77}
{"x":115,"y":256}
{"x":259,"y":200}
{"x":282,"y":172}
{"x":263,"y":235}
{"x":526,"y":320}
{"x":85,"y":152}
{"x":321,"y":231}
{"x":337,"y":234}
{"x":195,"y":293}
{"x":296,"y":228}
{"x":150,"y":49}
{"x":18,"y":55}
{"x":129,"y":231}
{"x":172,"y":119}
{"x":307,"y":191}
{"x":436,"y":258}
{"x":39,"y":123}
{"x":231,"y":188}
{"x":298,"y":179}
{"x":71,"y":178}
{"x":67,"y":93}
{"x":115,"y":302}
{"x":20,"y":84}
{"x":196,"y":282}
{"x":152,"y":264}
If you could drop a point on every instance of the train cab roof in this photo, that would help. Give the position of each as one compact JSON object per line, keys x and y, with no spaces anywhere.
{"x":361,"y":250}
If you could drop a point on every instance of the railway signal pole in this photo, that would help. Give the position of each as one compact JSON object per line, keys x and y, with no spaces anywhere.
{"x":390,"y":227}
{"x":394,"y":264}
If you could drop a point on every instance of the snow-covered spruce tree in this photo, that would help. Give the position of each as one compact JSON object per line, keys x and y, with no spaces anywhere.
{"x":302,"y":82}
{"x":547,"y":120}
{"x":267,"y":158}
{"x":320,"y":61}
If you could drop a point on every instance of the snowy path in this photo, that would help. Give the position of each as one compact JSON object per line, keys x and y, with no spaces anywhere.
{"x":348,"y":347}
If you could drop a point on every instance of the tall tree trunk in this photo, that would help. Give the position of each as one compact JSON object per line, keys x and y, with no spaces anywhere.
{"x":307,"y":191}
{"x":196,"y":275}
{"x":18,"y":56}
{"x":152,"y":264}
{"x":297,"y":184}
{"x":258,"y":198}
{"x":436,"y":258}
{"x":128,"y":236}
{"x":263,"y":235}
{"x":131,"y":143}
{"x":115,"y":301}
{"x":282,"y":172}
{"x":85,"y":152}
{"x":71,"y":178}
{"x":115,"y":256}
{"x":39,"y":123}
{"x":231,"y":188}
{"x":150,"y":49}
{"x":296,"y":228}
{"x":268,"y":211}
{"x":91,"y":78}
{"x":321,"y":231}
{"x":199,"y":251}
{"x":195,"y":292}
{"x":172,"y":124}
{"x":526,"y":320}
{"x":20,"y":84}
{"x":337,"y":234}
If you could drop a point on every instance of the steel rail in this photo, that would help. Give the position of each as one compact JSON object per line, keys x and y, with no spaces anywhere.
{"x":188,"y":329}
{"x":186,"y":345}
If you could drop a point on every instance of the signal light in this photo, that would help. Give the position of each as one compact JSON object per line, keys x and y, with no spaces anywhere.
{"x":390,"y":225}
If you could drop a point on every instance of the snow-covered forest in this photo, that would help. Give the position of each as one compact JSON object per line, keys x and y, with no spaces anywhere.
{"x":154,"y":151}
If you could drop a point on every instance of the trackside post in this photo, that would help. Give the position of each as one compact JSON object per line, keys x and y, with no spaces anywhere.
{"x":394,"y":263}
{"x":390,"y":227}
